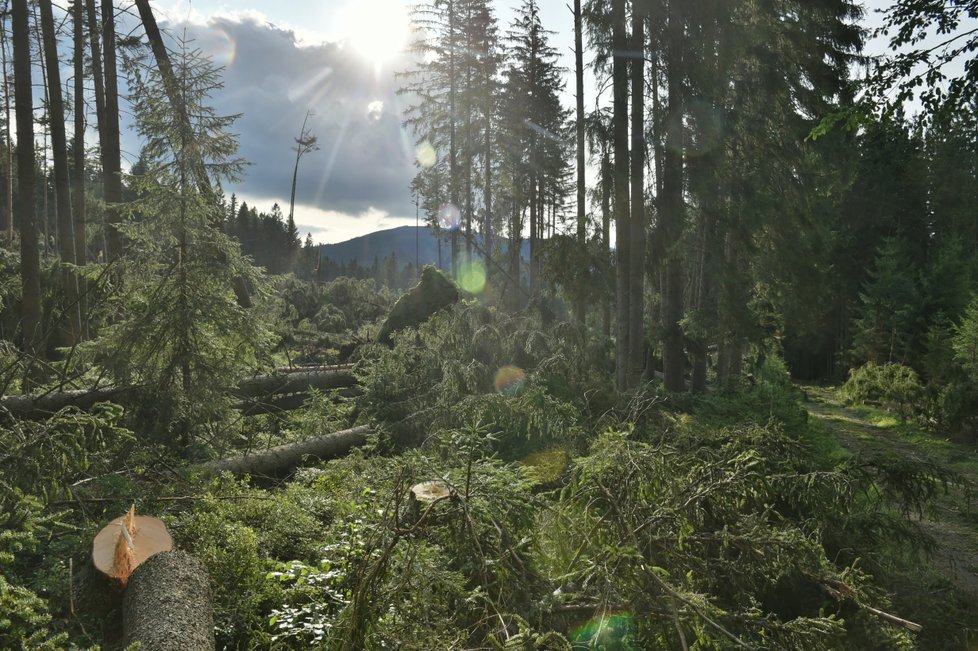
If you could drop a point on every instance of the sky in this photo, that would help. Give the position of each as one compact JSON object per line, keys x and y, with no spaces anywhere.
{"x":335,"y":59}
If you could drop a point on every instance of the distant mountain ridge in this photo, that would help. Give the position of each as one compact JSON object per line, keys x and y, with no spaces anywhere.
{"x":408,"y":243}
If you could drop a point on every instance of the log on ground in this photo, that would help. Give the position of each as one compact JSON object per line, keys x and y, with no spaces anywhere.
{"x":249,"y":391}
{"x":282,"y":459}
{"x":167,"y":606}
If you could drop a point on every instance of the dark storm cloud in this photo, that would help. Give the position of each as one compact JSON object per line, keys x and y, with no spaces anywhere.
{"x":365,"y":158}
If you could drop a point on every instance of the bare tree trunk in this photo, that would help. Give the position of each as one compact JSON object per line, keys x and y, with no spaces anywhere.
{"x":6,"y":120}
{"x":622,"y":212}
{"x":30,"y":263}
{"x":606,"y":190}
{"x":452,"y":153}
{"x":111,"y":152}
{"x":59,"y":147}
{"x":515,"y":246}
{"x":636,"y":301}
{"x":78,"y":151}
{"x":671,"y":213}
{"x":580,"y":308}
{"x":98,"y":80}
{"x":45,"y":176}
{"x":534,"y":218}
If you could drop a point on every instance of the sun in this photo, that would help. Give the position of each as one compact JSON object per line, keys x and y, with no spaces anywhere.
{"x":377,"y":29}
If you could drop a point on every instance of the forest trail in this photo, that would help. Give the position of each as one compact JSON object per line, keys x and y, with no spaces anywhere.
{"x":952,"y":520}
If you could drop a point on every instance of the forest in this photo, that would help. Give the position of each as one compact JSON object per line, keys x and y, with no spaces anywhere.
{"x":699,"y":371}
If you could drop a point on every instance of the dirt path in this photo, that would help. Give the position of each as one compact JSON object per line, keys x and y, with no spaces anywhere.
{"x":952,"y":522}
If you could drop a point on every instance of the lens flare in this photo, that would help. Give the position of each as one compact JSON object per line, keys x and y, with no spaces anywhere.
{"x":510,"y":380}
{"x":449,"y":217}
{"x":425,"y":155}
{"x":219,"y":45}
{"x":375,"y":109}
{"x":472,"y":276}
{"x":607,"y":631}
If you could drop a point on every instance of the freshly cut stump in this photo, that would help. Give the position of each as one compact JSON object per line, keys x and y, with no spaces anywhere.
{"x":126,"y":542}
{"x":167,"y":606}
{"x":424,"y":496}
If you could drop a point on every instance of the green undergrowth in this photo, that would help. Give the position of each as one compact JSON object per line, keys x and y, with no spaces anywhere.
{"x":929,"y":586}
{"x":573,"y":517}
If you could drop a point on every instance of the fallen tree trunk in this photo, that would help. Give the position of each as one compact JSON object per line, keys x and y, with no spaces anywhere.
{"x":250,"y":391}
{"x":167,"y":605}
{"x":43,"y":405}
{"x":280,"y":460}
{"x":268,"y":385}
{"x":279,"y":403}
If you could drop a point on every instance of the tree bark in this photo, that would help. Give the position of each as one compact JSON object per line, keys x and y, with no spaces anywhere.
{"x":606,"y":191}
{"x":280,"y":460}
{"x":9,"y":140}
{"x":167,"y":604}
{"x":59,"y":148}
{"x":622,"y":212}
{"x":672,"y":209}
{"x":78,"y":167}
{"x":111,"y":152}
{"x":580,"y":307}
{"x":636,"y":300}
{"x":30,"y":263}
{"x":250,"y":391}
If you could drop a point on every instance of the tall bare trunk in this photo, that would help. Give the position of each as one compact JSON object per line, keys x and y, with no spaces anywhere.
{"x":30,"y":263}
{"x":636,"y":301}
{"x":59,"y":148}
{"x":78,"y":151}
{"x":606,"y":189}
{"x":452,"y":153}
{"x":9,"y":141}
{"x":45,"y":216}
{"x":111,"y":154}
{"x":621,"y":167}
{"x":98,"y":81}
{"x":580,"y":308}
{"x":672,"y":209}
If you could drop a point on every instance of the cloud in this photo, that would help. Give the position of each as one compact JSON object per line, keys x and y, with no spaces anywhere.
{"x":331,"y":226}
{"x":364,"y":164}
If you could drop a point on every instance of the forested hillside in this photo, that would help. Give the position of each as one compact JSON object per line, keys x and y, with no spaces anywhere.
{"x":697,"y":366}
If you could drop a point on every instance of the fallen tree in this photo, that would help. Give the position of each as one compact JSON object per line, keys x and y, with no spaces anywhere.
{"x":252,"y":393}
{"x":167,"y":604}
{"x":280,"y":460}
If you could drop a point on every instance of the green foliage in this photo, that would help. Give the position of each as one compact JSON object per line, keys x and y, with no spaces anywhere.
{"x":321,"y":321}
{"x":965,"y":342}
{"x":475,"y":364}
{"x":887,"y":384}
{"x":24,"y":619}
{"x":889,"y":320}
{"x":714,"y":536}
{"x":177,"y":329}
{"x":37,"y":460}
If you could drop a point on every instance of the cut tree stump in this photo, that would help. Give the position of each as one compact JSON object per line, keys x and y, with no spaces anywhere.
{"x":126,"y":542}
{"x":167,"y":606}
{"x":422,"y":499}
{"x":280,"y":460}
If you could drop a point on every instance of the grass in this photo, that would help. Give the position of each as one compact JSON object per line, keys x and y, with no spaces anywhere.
{"x":939,"y":589}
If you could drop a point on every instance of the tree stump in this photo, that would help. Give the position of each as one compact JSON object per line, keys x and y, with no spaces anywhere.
{"x":423,"y":497}
{"x":167,"y":606}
